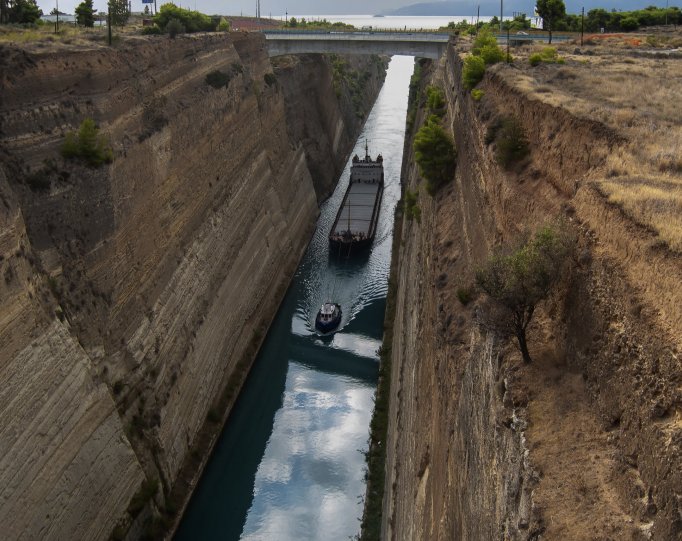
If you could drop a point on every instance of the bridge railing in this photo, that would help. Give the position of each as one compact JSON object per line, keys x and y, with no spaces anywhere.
{"x":358,"y":31}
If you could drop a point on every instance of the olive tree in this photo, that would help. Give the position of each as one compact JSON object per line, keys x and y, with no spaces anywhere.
{"x":518,"y":279}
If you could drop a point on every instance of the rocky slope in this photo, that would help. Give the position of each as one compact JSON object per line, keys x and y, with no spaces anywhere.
{"x":584,"y":443}
{"x":135,"y":294}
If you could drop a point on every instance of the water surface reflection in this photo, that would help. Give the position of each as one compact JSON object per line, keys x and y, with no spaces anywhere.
{"x":289,"y":464}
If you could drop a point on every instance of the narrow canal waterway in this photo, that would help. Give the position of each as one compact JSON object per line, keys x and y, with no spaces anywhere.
{"x":290,"y":464}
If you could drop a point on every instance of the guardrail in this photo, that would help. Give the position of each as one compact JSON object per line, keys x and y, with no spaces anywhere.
{"x":532,"y":38}
{"x":409,"y":34}
{"x":378,"y":31}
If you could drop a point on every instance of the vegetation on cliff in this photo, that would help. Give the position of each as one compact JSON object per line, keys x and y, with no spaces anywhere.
{"x":354,"y":80}
{"x":484,"y":52}
{"x":370,"y":528}
{"x":435,"y":154}
{"x":518,"y":278}
{"x":510,"y":140}
{"x":87,"y":145}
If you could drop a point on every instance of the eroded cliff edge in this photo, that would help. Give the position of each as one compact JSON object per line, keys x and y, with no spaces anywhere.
{"x":585,"y":443}
{"x":135,"y":295}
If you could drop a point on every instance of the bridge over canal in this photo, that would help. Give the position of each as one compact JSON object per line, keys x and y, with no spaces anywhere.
{"x":422,"y":44}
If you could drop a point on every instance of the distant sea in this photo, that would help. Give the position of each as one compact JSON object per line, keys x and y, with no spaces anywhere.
{"x":391,"y":21}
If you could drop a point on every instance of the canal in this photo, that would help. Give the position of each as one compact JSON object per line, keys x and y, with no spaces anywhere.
{"x":289,"y":464}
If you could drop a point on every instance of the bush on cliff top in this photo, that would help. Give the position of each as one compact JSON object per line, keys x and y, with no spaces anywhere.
{"x":484,"y":52}
{"x":548,"y":55}
{"x":87,"y":145}
{"x":473,"y":71}
{"x":192,"y":21}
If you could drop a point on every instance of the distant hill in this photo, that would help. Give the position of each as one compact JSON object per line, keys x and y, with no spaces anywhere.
{"x":458,"y":9}
{"x":461,"y":8}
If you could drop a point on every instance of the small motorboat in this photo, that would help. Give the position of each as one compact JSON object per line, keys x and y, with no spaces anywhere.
{"x":329,"y":317}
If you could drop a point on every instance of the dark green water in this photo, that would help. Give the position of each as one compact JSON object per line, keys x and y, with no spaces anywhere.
{"x":289,"y":464}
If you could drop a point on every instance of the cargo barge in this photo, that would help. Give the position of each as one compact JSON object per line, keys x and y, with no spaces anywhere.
{"x":356,"y":222}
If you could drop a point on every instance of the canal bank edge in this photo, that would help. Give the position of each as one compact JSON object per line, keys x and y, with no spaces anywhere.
{"x":129,"y":279}
{"x":370,"y":528}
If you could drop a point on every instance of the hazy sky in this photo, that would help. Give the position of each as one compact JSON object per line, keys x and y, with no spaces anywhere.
{"x":248,"y":7}
{"x":335,"y":7}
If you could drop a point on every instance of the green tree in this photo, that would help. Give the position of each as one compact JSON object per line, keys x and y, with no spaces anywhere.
{"x":435,"y":154}
{"x":118,"y":10}
{"x":552,"y":12}
{"x":519,"y":279}
{"x":22,"y":11}
{"x":85,"y":14}
{"x":596,"y":19}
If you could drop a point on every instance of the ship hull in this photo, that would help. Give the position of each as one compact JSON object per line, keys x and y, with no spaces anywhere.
{"x":356,"y":222}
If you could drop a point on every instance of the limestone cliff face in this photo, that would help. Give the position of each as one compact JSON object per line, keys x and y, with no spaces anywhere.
{"x":583,"y":443}
{"x":327,"y":99}
{"x":133,"y":292}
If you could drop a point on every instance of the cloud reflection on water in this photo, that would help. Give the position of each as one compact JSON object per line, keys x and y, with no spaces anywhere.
{"x":308,"y":483}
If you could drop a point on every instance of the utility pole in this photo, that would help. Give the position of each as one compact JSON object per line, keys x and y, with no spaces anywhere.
{"x":508,"y":57}
{"x":109,"y":25}
{"x":582,"y":26}
{"x":56,"y":25}
{"x":501,"y":11}
{"x":478,"y":15}
{"x":666,"y":12}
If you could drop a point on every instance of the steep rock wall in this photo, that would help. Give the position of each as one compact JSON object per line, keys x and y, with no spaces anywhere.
{"x":327,"y":100}
{"x":482,"y":446}
{"x":148,"y":282}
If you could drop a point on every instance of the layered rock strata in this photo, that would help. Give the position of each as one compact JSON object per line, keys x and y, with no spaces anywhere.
{"x":134,"y":290}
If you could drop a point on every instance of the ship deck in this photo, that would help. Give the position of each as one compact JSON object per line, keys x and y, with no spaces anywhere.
{"x":357,"y":209}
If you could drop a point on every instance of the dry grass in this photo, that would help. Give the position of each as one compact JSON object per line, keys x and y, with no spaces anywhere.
{"x":44,"y":36}
{"x":628,"y":86}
